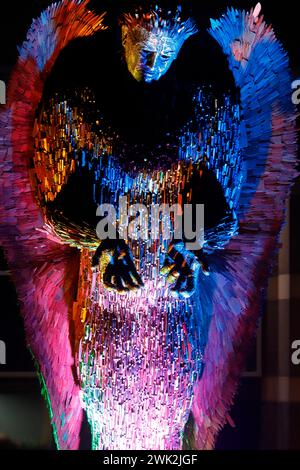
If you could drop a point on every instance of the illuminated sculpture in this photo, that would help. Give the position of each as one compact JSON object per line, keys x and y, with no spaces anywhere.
{"x":143,"y":361}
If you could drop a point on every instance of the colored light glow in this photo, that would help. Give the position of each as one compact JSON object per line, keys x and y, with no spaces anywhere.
{"x":109,"y":332}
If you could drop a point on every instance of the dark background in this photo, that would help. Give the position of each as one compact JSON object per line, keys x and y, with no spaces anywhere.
{"x":267,"y":407}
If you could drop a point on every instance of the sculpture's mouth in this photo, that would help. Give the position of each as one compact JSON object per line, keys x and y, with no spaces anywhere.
{"x":148,"y":75}
{"x":144,"y":73}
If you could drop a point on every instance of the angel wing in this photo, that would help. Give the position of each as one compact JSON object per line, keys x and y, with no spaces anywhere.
{"x":232,"y":295}
{"x":44,"y":270}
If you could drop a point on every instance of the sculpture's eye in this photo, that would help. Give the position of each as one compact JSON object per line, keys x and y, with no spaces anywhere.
{"x":166,"y":55}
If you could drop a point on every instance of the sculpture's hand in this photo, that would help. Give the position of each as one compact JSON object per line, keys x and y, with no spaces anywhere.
{"x":117,"y":268}
{"x":181,"y":268}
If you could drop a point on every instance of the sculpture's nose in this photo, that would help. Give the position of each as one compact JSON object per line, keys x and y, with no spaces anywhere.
{"x":148,"y":65}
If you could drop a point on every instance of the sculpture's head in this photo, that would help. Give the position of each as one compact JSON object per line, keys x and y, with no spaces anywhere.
{"x":152,"y":41}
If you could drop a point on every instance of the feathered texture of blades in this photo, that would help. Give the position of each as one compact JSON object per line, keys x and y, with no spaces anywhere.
{"x":170,"y":22}
{"x":234,"y":291}
{"x":43,"y":270}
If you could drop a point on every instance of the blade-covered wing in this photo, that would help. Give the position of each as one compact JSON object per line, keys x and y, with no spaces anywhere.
{"x":232,"y":295}
{"x":43,"y":269}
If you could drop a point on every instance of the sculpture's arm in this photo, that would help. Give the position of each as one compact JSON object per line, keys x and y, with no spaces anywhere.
{"x":69,"y":170}
{"x":189,"y":253}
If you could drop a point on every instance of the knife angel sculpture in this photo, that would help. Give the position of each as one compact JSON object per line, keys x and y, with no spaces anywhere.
{"x":142,"y":336}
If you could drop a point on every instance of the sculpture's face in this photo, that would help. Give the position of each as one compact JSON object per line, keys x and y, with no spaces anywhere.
{"x":151,"y":44}
{"x":149,"y":54}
